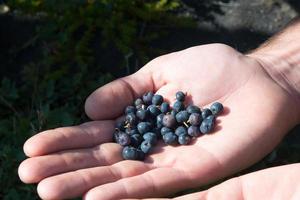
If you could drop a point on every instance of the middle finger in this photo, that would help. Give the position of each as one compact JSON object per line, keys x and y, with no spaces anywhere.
{"x":35,"y":169}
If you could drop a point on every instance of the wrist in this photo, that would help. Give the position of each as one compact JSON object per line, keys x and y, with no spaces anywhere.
{"x":284,"y":70}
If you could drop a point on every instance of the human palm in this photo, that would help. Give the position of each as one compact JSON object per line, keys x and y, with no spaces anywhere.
{"x":79,"y":160}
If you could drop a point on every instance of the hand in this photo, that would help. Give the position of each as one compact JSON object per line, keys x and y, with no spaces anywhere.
{"x":78,"y":160}
{"x":274,"y":183}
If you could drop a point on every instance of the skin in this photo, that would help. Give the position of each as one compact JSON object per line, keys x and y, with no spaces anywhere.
{"x":82,"y":161}
{"x":264,"y":184}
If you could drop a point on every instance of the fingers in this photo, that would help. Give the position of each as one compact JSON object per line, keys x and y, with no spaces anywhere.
{"x":157,"y":182}
{"x":76,"y":183}
{"x":35,"y":169}
{"x":273,"y":183}
{"x":85,"y":135}
{"x":109,"y":101}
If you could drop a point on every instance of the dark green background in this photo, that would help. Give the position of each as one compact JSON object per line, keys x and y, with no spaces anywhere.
{"x":54,"y":53}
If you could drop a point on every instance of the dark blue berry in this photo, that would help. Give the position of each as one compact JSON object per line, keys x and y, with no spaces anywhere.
{"x":146,"y":146}
{"x":136,"y":140}
{"x":150,"y":136}
{"x":173,"y":112}
{"x":130,"y":153}
{"x":142,"y":114}
{"x":138,"y":102}
{"x":180,"y":96}
{"x":159,"y":120}
{"x":182,"y":116}
{"x":208,"y":124}
{"x":131,"y":131}
{"x":194,"y":131}
{"x":216,"y":108}
{"x":157,"y":99}
{"x":157,"y":132}
{"x":169,"y":121}
{"x":142,"y":106}
{"x":178,"y":106}
{"x":153,"y":110}
{"x":140,"y":154}
{"x":195,"y":119}
{"x":165,"y":130}
{"x":212,"y":118}
{"x":121,"y":125}
{"x":193,"y":109}
{"x":147,"y":98}
{"x":184,"y":139}
{"x":122,"y":138}
{"x":152,"y":122}
{"x":180,"y":130}
{"x":131,"y":119}
{"x":170,"y":138}
{"x":206,"y":112}
{"x":164,"y":107}
{"x":144,"y":127}
{"x":130,"y":109}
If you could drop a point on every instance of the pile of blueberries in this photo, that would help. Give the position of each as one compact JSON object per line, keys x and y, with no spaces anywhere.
{"x":151,"y":119}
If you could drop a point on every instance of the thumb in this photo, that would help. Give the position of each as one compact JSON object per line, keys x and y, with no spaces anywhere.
{"x":110,"y":100}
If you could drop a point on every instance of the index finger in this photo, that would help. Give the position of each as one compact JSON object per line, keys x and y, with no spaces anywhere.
{"x":85,"y":135}
{"x":109,"y":101}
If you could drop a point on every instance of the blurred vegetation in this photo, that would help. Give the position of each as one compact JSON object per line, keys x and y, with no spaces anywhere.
{"x":75,"y":47}
{"x":69,"y":48}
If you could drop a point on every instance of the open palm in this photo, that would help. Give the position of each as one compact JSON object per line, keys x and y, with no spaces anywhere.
{"x":80,"y":160}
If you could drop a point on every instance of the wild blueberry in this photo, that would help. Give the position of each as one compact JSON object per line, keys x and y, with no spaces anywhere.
{"x":157,"y":99}
{"x":184,"y":139}
{"x":147,"y":98}
{"x":131,"y":131}
{"x":157,"y":132}
{"x":165,"y":130}
{"x":180,"y":130}
{"x":153,"y":110}
{"x":142,"y":114}
{"x":193,"y":109}
{"x":152,"y":122}
{"x":122,"y":138}
{"x":180,"y":96}
{"x":136,"y":140}
{"x":130,"y":109}
{"x":212,"y":118}
{"x":140,"y":154}
{"x":169,"y":121}
{"x":173,"y":112}
{"x":205,"y":113}
{"x":131,"y":119}
{"x":159,"y":120}
{"x":121,"y":125}
{"x":216,"y":108}
{"x":170,"y":138}
{"x":178,"y":106}
{"x":138,"y":102}
{"x":195,"y":119}
{"x":149,"y":136}
{"x":164,"y":107}
{"x":146,"y":146}
{"x":194,"y":131}
{"x":182,"y":116}
{"x":207,"y":124}
{"x":130,"y":153}
{"x":144,"y":127}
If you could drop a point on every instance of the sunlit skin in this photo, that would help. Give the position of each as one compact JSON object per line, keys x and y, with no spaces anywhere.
{"x":280,"y":183}
{"x":82,"y":161}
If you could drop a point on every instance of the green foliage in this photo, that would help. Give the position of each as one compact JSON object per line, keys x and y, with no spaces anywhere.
{"x":71,"y":52}
{"x":76,"y":47}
